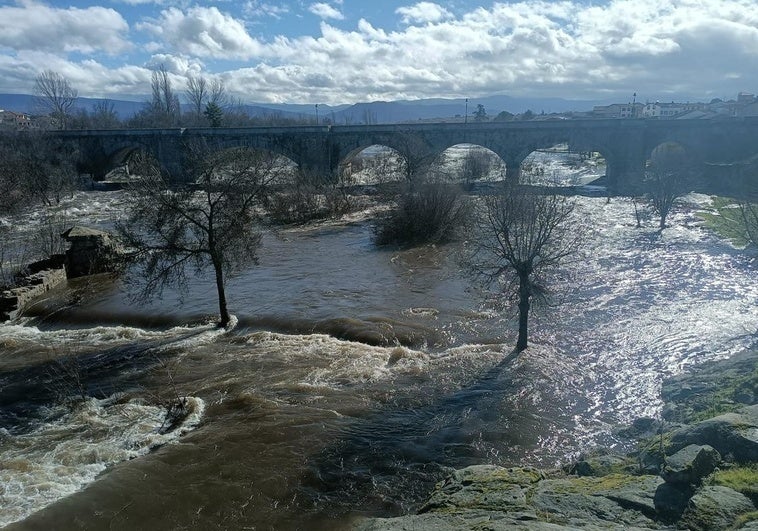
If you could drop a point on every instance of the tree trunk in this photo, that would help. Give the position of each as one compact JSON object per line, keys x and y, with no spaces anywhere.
{"x":223,"y":310}
{"x":523,"y":312}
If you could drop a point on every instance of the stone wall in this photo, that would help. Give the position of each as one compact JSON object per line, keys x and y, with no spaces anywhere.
{"x":42,"y":277}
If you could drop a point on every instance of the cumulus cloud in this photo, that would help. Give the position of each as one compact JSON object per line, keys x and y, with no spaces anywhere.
{"x":569,"y":48}
{"x":175,"y":64}
{"x":203,"y":32}
{"x":326,"y":11}
{"x":423,"y":12}
{"x":34,"y":26}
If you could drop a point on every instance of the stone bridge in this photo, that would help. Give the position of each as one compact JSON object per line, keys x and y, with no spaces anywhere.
{"x":625,"y":144}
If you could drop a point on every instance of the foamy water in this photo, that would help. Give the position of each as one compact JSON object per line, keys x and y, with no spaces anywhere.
{"x":72,"y":444}
{"x":305,"y":424}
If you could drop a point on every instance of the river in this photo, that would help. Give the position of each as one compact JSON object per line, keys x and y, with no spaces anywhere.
{"x":354,"y":379}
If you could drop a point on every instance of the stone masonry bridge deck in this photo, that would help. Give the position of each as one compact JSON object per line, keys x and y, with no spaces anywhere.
{"x":625,"y":144}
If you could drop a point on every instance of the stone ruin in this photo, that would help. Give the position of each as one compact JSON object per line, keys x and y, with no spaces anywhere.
{"x":91,"y":252}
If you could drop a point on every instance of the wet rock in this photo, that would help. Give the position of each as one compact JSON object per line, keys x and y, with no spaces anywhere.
{"x":731,"y":434}
{"x":690,"y":465}
{"x":640,"y":427}
{"x":713,"y":386}
{"x":715,"y":508}
{"x":13,"y":301}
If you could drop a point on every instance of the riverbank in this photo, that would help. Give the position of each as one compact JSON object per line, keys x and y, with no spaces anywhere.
{"x":696,"y":468}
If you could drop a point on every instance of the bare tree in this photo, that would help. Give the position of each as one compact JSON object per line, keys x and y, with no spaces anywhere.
{"x":207,"y":99}
{"x":197,"y":95}
{"x":164,"y":106}
{"x":664,"y":188}
{"x":104,"y":115}
{"x":218,"y":94}
{"x":210,"y":221}
{"x":522,"y":234}
{"x":55,"y":95}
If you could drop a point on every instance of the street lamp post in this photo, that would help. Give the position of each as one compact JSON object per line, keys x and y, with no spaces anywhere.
{"x":634,"y":105}
{"x":317,"y":114}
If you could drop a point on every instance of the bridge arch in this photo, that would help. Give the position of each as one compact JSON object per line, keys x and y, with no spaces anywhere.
{"x":468,"y":163}
{"x":100,"y":158}
{"x":372,"y":164}
{"x":414,"y":152}
{"x":246,"y":141}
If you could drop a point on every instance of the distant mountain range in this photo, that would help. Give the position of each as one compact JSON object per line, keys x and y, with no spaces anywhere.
{"x":374,"y":112}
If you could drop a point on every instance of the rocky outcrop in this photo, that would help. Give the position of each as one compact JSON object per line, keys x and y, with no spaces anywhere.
{"x":701,"y":475}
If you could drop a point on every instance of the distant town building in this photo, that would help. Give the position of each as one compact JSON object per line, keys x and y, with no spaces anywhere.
{"x":746,"y":104}
{"x":618,"y":110}
{"x":14,"y":120}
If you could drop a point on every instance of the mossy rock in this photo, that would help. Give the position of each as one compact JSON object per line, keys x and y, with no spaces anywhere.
{"x":715,"y":507}
{"x":613,"y":499}
{"x":484,"y":487}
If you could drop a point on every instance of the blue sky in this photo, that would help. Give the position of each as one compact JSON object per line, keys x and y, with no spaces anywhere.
{"x":346,"y":51}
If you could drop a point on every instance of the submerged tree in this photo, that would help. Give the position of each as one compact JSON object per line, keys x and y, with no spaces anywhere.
{"x":522,"y":234}
{"x":666,"y":179}
{"x":210,"y":220}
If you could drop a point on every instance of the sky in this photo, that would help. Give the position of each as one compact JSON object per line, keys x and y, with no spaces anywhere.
{"x":349,"y":51}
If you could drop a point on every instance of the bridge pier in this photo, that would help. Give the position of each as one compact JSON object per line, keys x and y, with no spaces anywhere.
{"x":513,"y":172}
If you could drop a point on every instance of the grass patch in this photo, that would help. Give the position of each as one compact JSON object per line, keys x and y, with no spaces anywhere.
{"x":733,"y":221}
{"x":741,"y":479}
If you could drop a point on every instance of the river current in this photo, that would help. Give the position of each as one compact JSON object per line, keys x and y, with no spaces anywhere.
{"x":355,"y":377}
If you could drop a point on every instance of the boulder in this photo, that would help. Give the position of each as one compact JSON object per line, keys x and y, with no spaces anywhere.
{"x":690,"y":465}
{"x":731,"y":434}
{"x":714,"y":508}
{"x":670,"y":501}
